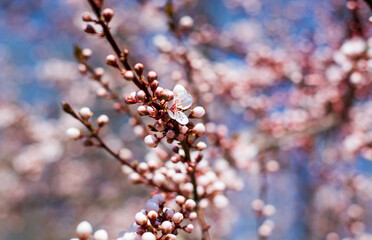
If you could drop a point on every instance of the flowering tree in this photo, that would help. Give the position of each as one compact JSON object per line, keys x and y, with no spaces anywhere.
{"x":233,"y":119}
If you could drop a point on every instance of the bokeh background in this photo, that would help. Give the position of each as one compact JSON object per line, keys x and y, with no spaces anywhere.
{"x":276,"y":78}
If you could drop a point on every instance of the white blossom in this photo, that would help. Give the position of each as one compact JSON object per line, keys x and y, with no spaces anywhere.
{"x":181,"y":101}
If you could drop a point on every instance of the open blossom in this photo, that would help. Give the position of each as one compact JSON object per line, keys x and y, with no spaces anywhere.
{"x":181,"y":101}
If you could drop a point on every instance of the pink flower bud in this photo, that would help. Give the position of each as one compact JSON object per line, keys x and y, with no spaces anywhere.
{"x":139,"y":68}
{"x":180,"y":199}
{"x":197,"y":112}
{"x":85,"y":112}
{"x":87,"y":53}
{"x":129,"y":75}
{"x":201,"y":146}
{"x":125,"y":154}
{"x":142,"y":110}
{"x":199,"y":157}
{"x":178,"y":217}
{"x":159,"y":92}
{"x":82,"y":68}
{"x":170,"y":134}
{"x":140,"y":95}
{"x":190,"y":125}
{"x":126,"y":169}
{"x":73,"y":133}
{"x":167,"y":227}
{"x":140,"y":219}
{"x":184,"y":129}
{"x":135,"y":178}
{"x":186,"y":22}
{"x":190,"y":204}
{"x":169,"y":213}
{"x":152,"y":205}
{"x":220,"y":201}
{"x":257,"y":205}
{"x":169,"y":95}
{"x":175,"y":159}
{"x":100,"y":235}
{"x":151,"y":141}
{"x":112,"y":61}
{"x":87,"y":17}
{"x":269,"y":210}
{"x":102,"y":120}
{"x":148,"y":236}
{"x":107,"y":14}
{"x":178,"y":178}
{"x":193,"y":216}
{"x":151,"y":110}
{"x":180,"y":137}
{"x":101,"y":92}
{"x":154,"y":85}
{"x":189,"y":228}
{"x":199,"y":129}
{"x":170,"y":237}
{"x":142,"y":167}
{"x":131,"y":98}
{"x":219,"y":186}
{"x":159,"y":126}
{"x":99,"y":72}
{"x":89,"y":29}
{"x":151,"y":76}
{"x":84,"y":230}
{"x":159,"y":199}
{"x":152,"y":215}
{"x":159,"y":179}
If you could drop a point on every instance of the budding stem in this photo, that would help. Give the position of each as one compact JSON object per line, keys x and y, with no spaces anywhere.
{"x":123,"y":59}
{"x":201,"y":220}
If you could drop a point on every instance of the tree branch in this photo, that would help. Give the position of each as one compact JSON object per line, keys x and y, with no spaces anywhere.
{"x":122,"y":57}
{"x":369,"y":3}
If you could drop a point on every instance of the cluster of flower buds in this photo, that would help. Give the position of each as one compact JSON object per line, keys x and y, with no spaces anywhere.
{"x":157,"y":222}
{"x":85,"y":115}
{"x":154,"y":222}
{"x":84,"y":231}
{"x":107,"y":15}
{"x":174,"y":175}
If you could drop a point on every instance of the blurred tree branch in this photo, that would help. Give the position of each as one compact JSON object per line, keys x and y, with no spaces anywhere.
{"x":369,"y":3}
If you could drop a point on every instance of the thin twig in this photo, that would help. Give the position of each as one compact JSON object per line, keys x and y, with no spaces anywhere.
{"x":203,"y":224}
{"x":101,"y":143}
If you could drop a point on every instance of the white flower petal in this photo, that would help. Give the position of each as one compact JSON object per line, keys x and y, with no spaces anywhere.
{"x":171,"y":114}
{"x":181,"y":117}
{"x":179,"y":92}
{"x":179,"y":89}
{"x":171,"y":103}
{"x":185,"y":102}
